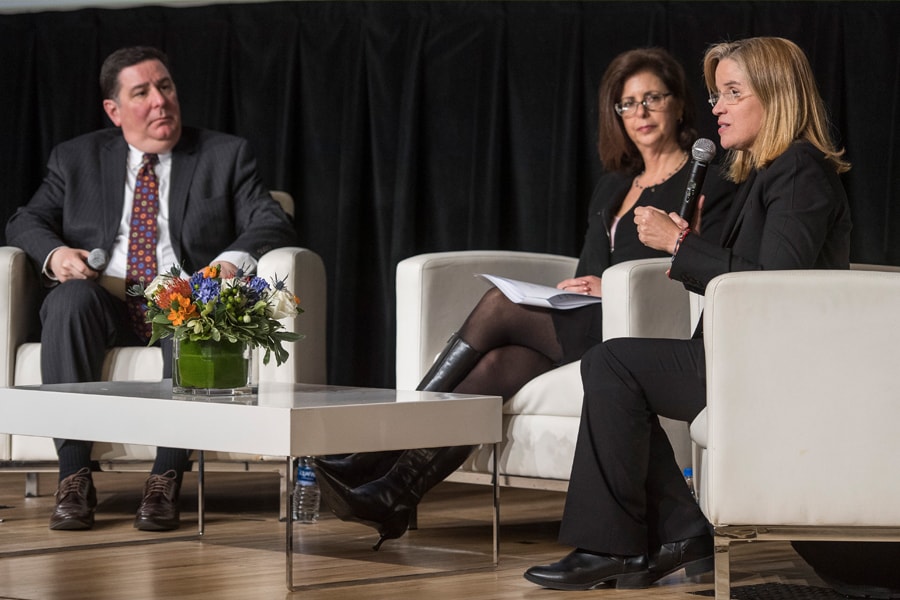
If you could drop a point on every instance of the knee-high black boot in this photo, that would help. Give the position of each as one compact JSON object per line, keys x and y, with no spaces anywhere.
{"x":358,"y":468}
{"x":386,"y":504}
{"x":451,"y":367}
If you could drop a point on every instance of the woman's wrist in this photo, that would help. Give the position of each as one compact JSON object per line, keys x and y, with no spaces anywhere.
{"x":681,"y":235}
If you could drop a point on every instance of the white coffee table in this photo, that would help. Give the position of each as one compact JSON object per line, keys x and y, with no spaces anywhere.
{"x":281,"y":420}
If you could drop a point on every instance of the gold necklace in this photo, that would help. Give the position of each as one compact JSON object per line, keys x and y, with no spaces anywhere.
{"x":684,"y":158}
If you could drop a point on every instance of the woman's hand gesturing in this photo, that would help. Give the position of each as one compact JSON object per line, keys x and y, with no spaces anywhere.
{"x":658,"y":230}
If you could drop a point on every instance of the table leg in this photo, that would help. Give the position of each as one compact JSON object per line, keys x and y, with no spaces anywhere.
{"x":289,"y":525}
{"x":201,"y":498}
{"x":495,"y":483}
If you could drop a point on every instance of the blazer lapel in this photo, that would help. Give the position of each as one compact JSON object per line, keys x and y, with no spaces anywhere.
{"x":113,"y":167}
{"x":184,"y":161}
{"x":738,"y":210}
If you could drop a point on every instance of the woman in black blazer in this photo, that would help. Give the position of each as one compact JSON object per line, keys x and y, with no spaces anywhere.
{"x":629,"y":513}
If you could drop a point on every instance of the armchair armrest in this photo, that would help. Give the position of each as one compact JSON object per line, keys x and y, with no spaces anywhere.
{"x":18,"y":313}
{"x":304,"y":274}
{"x":639,"y":300}
{"x":436,"y":292}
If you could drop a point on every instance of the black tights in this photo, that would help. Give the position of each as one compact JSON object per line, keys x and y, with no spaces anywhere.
{"x":518,"y":343}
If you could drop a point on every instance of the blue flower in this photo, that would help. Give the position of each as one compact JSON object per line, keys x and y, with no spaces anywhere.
{"x":205,"y":290}
{"x":196,"y":279}
{"x":256,"y":286}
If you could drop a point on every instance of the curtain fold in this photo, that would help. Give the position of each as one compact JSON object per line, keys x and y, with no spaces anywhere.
{"x":410,"y":127}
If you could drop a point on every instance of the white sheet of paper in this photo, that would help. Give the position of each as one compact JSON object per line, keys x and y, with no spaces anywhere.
{"x":535,"y":294}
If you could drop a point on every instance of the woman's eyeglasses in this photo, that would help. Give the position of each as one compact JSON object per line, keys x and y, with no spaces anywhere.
{"x":653,"y":101}
{"x":729,"y":97}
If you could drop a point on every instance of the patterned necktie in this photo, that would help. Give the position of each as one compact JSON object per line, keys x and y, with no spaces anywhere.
{"x":142,"y":242}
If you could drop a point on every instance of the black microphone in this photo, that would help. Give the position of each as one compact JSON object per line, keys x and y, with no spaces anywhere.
{"x":703,"y":151}
{"x":97,"y":259}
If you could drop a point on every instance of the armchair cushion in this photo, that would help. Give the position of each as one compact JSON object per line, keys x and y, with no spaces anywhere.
{"x":557,"y":393}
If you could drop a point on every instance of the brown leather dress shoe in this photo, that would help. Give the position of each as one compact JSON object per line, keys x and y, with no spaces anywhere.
{"x":76,"y":500}
{"x":159,"y":508}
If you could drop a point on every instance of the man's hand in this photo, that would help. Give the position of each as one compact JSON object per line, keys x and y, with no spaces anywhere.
{"x":227,"y":270}
{"x":70,"y":263}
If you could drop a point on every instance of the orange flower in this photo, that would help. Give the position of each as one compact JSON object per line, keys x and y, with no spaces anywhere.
{"x":210,"y":272}
{"x":182,"y":309}
{"x":177,"y":287}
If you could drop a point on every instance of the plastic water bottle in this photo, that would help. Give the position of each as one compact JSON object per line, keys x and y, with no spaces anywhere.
{"x":305,"y":504}
{"x":689,"y":480}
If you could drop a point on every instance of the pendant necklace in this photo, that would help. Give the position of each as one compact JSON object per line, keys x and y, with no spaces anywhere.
{"x":675,"y":170}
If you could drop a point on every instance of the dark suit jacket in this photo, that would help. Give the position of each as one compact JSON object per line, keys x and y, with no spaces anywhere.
{"x":793,"y":214}
{"x":217,"y":201}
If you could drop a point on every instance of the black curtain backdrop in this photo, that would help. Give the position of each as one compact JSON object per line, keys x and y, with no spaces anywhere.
{"x":410,"y":127}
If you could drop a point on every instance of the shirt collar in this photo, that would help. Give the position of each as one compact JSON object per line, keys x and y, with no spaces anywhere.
{"x":136,"y":157}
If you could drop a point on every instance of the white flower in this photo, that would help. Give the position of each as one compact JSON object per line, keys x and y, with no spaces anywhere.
{"x":158,"y":282}
{"x":282,"y":304}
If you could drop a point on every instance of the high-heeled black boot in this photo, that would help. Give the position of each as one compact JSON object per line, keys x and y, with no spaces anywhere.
{"x":354,"y":470}
{"x":386,"y":504}
{"x":451,"y":367}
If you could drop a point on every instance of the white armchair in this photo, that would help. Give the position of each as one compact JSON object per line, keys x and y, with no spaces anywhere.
{"x":435,"y":293}
{"x":20,"y":355}
{"x":799,"y":438}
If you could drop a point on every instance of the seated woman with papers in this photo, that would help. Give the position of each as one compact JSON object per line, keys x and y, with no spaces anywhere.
{"x":646,"y":128}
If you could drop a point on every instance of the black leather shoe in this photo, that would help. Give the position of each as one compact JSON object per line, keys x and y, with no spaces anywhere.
{"x":76,"y":500}
{"x":159,"y":507}
{"x":695,"y":555}
{"x":581,"y":570}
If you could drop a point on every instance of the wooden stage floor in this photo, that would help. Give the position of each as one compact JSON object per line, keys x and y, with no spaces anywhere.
{"x":241,"y":556}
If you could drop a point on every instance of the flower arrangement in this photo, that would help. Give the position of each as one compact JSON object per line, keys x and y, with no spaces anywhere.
{"x":243,"y":309}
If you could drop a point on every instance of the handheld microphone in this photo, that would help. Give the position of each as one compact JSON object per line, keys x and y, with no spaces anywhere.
{"x":703,"y":151}
{"x":97,"y":259}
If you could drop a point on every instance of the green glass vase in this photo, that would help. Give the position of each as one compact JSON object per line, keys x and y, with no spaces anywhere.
{"x":211,"y":368}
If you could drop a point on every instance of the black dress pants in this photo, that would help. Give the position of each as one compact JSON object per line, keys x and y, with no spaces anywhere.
{"x":80,"y":320}
{"x":627,"y":494}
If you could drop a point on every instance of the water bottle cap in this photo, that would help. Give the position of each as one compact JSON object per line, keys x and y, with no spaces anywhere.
{"x":688,"y":472}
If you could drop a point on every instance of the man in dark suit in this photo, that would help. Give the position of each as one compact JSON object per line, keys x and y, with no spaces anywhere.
{"x":205,"y":204}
